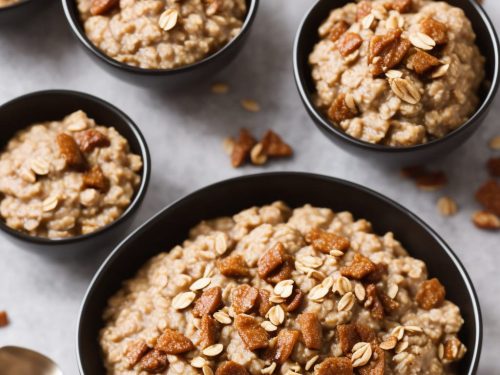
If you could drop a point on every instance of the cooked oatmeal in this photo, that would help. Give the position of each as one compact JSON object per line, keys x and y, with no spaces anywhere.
{"x":161,"y":34}
{"x":66,"y":178}
{"x":275,"y":290}
{"x":397,"y":72}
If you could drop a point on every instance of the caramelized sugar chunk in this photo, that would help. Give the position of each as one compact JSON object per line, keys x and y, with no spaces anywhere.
{"x":486,"y":220}
{"x":421,"y":62}
{"x":339,"y":110}
{"x":402,"y":6}
{"x":338,"y":29}
{"x":4,"y":319}
{"x":325,"y":242}
{"x":70,"y":151}
{"x":284,"y":272}
{"x":376,"y":366}
{"x":387,"y":51}
{"x":243,"y":298}
{"x":154,"y":362}
{"x":494,"y":167}
{"x":208,"y":331}
{"x":272,"y":259}
{"x":274,"y":146}
{"x":489,"y":196}
{"x":90,"y":139}
{"x":94,"y":178}
{"x":377,"y":275}
{"x":363,"y":9}
{"x":310,"y":326}
{"x":135,"y":351}
{"x":390,"y":305}
{"x":373,"y":302}
{"x":293,"y":302}
{"x":287,"y":338}
{"x":348,"y":43}
{"x":231,"y":368}
{"x":209,"y":302}
{"x":233,"y":266}
{"x":334,"y":366}
{"x":264,"y":303}
{"x":424,"y":179}
{"x":430,"y":294}
{"x":242,"y":148}
{"x":454,"y":350}
{"x":173,"y":342}
{"x":252,"y":334}
{"x":349,"y":335}
{"x":360,"y":267}
{"x":99,"y":7}
{"x":438,"y":31}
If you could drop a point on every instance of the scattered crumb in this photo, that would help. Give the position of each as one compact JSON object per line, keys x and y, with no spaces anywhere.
{"x":486,"y":220}
{"x":250,"y":105}
{"x":425,"y":179}
{"x":447,"y":206}
{"x":495,"y":143}
{"x":4,"y":319}
{"x":220,"y":88}
{"x":493,"y":166}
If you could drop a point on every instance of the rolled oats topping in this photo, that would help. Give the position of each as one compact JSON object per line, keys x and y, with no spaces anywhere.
{"x":371,"y":312}
{"x":431,"y":46}
{"x":65,"y":178}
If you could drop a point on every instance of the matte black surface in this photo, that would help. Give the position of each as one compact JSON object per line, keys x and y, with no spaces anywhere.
{"x":307,"y":37}
{"x":12,"y":15}
{"x":170,"y":227}
{"x":50,"y":105}
{"x":164,"y":79}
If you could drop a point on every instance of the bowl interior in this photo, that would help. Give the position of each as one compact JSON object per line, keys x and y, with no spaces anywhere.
{"x":170,"y":227}
{"x":308,"y":36}
{"x":54,"y":105}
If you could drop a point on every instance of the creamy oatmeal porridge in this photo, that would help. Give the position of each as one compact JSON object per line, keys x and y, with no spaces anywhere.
{"x":161,"y":34}
{"x":66,"y":178}
{"x":275,"y":290}
{"x":397,"y":72}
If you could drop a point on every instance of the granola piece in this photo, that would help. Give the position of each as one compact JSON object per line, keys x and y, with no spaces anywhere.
{"x":243,"y":298}
{"x":338,"y":29}
{"x":209,"y":302}
{"x":454,"y":350}
{"x":373,"y":302}
{"x":325,"y":242}
{"x":242,"y":147}
{"x":293,"y":302}
{"x":271,"y":260}
{"x":90,"y":139}
{"x":489,"y":196}
{"x":282,"y":273}
{"x":208,"y":331}
{"x":94,"y":178}
{"x":360,"y":267}
{"x":233,"y":266}
{"x":173,"y":342}
{"x":348,"y":43}
{"x":376,"y":365}
{"x":430,"y":294}
{"x":154,"y":362}
{"x":287,"y":338}
{"x":349,"y":335}
{"x":438,"y":31}
{"x":486,"y":220}
{"x":339,"y":110}
{"x":274,"y":146}
{"x":70,"y":151}
{"x":310,"y":326}
{"x":431,"y":181}
{"x":387,"y":51}
{"x":4,"y":319}
{"x":252,"y":334}
{"x":135,"y":351}
{"x":421,"y":62}
{"x":413,"y":171}
{"x":99,"y":7}
{"x":363,"y":9}
{"x":390,"y":305}
{"x":377,"y":275}
{"x":401,"y":6}
{"x":264,"y":303}
{"x":231,"y":368}
{"x":494,"y":167}
{"x":334,"y":366}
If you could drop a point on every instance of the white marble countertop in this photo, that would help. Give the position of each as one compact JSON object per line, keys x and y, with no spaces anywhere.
{"x":43,"y":295}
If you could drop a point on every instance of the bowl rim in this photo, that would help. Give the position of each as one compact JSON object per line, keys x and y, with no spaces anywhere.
{"x":325,"y":125}
{"x":15,"y":5}
{"x":118,"y":249}
{"x":145,"y":172}
{"x":73,"y":18}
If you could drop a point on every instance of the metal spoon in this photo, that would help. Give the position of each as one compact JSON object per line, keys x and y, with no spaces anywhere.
{"x":20,"y":361}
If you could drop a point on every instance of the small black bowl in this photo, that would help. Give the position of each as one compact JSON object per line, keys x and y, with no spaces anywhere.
{"x":165,"y":79}
{"x":170,"y":227}
{"x":307,"y":36}
{"x":19,"y":12}
{"x":40,"y":106}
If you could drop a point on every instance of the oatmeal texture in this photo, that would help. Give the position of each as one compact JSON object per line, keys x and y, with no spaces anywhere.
{"x":65,"y":178}
{"x":132,"y":33}
{"x":275,"y":290}
{"x":397,"y":72}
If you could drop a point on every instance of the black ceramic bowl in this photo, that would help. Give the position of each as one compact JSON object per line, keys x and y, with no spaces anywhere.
{"x":54,"y":105}
{"x":166,"y":79}
{"x":170,"y":227}
{"x":19,"y":12}
{"x":307,"y":37}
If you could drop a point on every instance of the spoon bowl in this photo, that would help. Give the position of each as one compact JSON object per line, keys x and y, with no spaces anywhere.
{"x":15,"y":360}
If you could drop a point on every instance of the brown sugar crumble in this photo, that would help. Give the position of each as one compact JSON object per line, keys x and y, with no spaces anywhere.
{"x":4,"y":319}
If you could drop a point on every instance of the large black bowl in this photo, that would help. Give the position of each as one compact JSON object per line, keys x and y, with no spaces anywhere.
{"x":167,"y":79}
{"x":54,"y":105}
{"x":307,"y":37}
{"x":170,"y":227}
